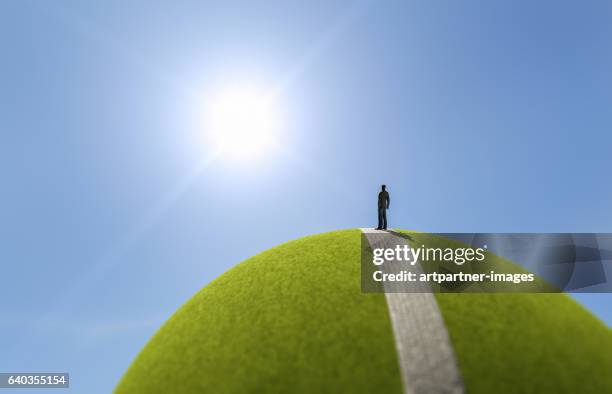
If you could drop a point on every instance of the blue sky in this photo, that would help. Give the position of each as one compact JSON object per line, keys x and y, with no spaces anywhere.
{"x":479,"y":117}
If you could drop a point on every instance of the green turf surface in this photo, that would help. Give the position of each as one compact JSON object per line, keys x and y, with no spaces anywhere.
{"x":523,"y":343}
{"x":291,"y":319}
{"x":528,"y":343}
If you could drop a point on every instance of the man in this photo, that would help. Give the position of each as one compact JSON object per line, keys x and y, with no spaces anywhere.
{"x":383,"y":205}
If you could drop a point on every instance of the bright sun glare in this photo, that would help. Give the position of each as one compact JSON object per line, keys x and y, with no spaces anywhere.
{"x":243,"y":124}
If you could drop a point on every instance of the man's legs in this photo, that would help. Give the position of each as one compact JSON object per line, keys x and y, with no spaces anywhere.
{"x":384,"y":217}
{"x":381,"y":212}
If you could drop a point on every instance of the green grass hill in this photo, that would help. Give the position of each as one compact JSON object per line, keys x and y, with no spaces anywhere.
{"x":294,"y":319}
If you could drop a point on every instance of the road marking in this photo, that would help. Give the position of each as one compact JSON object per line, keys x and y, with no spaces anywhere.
{"x":426,"y":357}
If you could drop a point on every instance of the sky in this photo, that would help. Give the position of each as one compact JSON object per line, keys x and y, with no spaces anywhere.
{"x":479,"y":116}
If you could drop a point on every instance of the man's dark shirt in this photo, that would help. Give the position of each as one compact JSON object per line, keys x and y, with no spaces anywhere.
{"x":383,"y":200}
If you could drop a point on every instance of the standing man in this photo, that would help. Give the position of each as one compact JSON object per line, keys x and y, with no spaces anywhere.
{"x":383,"y":205}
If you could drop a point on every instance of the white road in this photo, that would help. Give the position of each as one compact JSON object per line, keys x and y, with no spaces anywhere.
{"x":426,"y":357}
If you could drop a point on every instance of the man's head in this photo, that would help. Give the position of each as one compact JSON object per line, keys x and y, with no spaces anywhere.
{"x":384,"y":187}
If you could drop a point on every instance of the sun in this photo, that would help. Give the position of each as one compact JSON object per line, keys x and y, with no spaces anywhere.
{"x":243,"y":124}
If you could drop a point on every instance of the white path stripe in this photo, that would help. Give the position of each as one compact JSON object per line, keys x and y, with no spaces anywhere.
{"x":426,"y":358}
